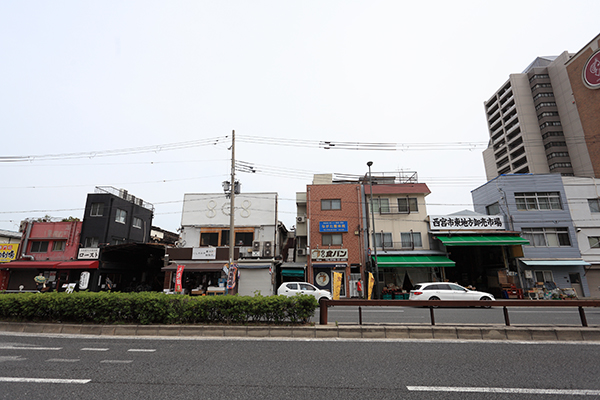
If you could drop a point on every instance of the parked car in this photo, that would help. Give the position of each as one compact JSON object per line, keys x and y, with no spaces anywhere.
{"x":294,"y":288}
{"x":446,"y":291}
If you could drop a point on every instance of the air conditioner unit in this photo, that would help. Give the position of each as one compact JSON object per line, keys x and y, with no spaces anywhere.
{"x":267,"y":249}
{"x":256,"y":245}
{"x":301,"y":251}
{"x":301,"y":219}
{"x":268,"y":245}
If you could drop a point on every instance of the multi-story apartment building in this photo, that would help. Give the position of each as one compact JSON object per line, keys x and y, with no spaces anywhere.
{"x":543,"y":120}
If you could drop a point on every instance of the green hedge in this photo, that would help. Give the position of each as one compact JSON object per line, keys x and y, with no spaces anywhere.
{"x":154,"y":308}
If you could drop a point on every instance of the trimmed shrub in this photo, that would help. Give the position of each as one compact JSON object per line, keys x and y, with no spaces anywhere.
{"x":154,"y":308}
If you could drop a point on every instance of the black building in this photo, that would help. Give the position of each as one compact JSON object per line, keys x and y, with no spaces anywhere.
{"x":113,"y":217}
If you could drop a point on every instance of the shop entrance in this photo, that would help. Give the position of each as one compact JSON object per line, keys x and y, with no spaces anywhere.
{"x":575,"y":280}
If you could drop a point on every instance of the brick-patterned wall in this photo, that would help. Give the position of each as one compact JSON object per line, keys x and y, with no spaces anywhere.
{"x":588,"y":106}
{"x":349,"y":194}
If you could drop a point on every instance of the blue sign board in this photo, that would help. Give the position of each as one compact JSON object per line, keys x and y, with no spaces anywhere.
{"x":333,"y":226}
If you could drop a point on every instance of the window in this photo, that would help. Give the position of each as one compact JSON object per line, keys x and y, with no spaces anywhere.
{"x":331,"y":239}
{"x":407,"y":205}
{"x":121,"y":216}
{"x":544,"y":276}
{"x":547,"y":237}
{"x":493,"y":209}
{"x":59,"y":245}
{"x":594,"y":242}
{"x":137,"y":222}
{"x":411,"y":239}
{"x":292,"y":286}
{"x":381,"y":205}
{"x":209,"y":239}
{"x":538,"y":201}
{"x":97,"y":210}
{"x":91,"y":242}
{"x":39,"y":247}
{"x":331,"y":204}
{"x":244,"y":238}
{"x":594,"y":205}
{"x":387,"y":239}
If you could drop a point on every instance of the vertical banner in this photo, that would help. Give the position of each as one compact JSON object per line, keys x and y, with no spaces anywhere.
{"x":178,"y":278}
{"x":232,"y":277}
{"x":371,"y":284}
{"x":337,"y":285}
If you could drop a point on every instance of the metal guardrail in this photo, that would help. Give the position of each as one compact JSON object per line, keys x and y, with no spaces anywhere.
{"x":324,"y":304}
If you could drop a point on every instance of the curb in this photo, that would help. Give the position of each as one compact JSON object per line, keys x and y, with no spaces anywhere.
{"x":330,"y":331}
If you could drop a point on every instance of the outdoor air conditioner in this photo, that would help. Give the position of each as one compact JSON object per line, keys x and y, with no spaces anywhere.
{"x":301,"y":252}
{"x":301,"y":219}
{"x":267,"y":249}
{"x":256,"y":245}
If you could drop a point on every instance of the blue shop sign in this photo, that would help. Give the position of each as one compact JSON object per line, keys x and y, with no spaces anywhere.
{"x":333,"y":226}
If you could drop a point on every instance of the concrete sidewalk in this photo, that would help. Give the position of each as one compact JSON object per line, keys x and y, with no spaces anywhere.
{"x":378,"y":331}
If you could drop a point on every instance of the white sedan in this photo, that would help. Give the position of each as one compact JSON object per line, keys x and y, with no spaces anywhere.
{"x":294,"y":288}
{"x":446,"y":291}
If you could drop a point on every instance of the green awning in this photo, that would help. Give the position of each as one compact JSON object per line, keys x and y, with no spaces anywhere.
{"x":413,"y":261}
{"x":482,"y":240}
{"x":297,"y":273}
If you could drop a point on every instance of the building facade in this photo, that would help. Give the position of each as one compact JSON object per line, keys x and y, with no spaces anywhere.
{"x":203,"y":247}
{"x":334,"y":226}
{"x":538,"y":208}
{"x":543,"y":120}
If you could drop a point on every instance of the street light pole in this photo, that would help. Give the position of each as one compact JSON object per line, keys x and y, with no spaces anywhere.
{"x":369,"y":163}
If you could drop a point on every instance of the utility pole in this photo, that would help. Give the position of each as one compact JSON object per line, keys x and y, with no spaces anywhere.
{"x":369,"y":163}
{"x":232,"y":203}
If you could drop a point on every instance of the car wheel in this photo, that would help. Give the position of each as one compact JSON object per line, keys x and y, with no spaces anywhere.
{"x":434,"y":298}
{"x":485,"y":298}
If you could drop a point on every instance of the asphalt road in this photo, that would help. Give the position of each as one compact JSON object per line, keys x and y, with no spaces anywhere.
{"x":494,"y":315}
{"x":50,"y":367}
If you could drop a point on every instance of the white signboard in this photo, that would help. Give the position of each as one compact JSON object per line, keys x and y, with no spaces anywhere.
{"x":88,"y":253}
{"x":329,"y":254}
{"x":466,"y":222}
{"x":84,"y":280}
{"x":204,"y":253}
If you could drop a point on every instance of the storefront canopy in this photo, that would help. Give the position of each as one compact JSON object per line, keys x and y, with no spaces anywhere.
{"x":482,"y":240}
{"x":414,"y":261}
{"x":295,"y":273}
{"x":90,"y":264}
{"x":554,"y":263}
{"x":31,"y":264}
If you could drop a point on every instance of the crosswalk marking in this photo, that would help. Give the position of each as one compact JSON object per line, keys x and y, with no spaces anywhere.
{"x":63,"y":360}
{"x":116,"y":361}
{"x":94,"y":349}
{"x":142,"y":350}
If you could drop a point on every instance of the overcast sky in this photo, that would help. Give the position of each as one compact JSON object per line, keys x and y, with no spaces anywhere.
{"x":87,"y":77}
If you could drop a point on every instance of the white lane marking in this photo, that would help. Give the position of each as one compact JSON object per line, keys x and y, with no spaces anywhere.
{"x":116,"y":361}
{"x":63,"y":360}
{"x":94,"y":349}
{"x":575,"y":392}
{"x":11,"y":358}
{"x":28,"y":348}
{"x":43,"y":380}
{"x":142,"y":350}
